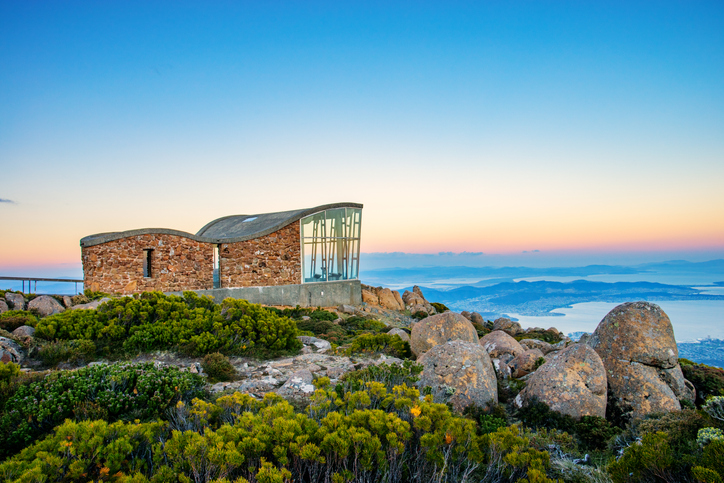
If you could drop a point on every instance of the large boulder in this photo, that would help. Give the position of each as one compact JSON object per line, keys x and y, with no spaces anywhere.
{"x":572,"y":382}
{"x":10,"y":351}
{"x":461,"y":370}
{"x":439,"y":329}
{"x":525,"y":363}
{"x":501,"y":346}
{"x":45,"y":305}
{"x":637,"y":345}
{"x":15,"y":300}
{"x":507,"y":326}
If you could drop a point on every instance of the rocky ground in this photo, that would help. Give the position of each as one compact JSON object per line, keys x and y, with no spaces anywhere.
{"x":630,"y":361}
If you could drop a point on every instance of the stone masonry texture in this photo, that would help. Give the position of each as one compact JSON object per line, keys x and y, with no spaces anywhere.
{"x":179,"y":263}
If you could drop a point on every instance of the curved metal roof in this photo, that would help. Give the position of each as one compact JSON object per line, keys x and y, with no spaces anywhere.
{"x":228,"y":229}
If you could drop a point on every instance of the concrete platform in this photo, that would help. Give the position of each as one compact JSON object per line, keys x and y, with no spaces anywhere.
{"x":322,"y":294}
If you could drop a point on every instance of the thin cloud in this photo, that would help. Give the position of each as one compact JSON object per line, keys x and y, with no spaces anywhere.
{"x":3,"y":200}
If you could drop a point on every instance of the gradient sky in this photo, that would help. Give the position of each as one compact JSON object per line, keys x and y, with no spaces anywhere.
{"x":493,"y":127}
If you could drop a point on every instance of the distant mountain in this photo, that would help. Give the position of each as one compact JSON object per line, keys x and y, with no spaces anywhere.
{"x":539,"y":298}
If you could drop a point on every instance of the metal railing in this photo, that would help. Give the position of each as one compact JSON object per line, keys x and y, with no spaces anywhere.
{"x":30,"y":281}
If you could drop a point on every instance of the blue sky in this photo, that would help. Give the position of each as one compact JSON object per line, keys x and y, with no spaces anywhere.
{"x":489,"y":126}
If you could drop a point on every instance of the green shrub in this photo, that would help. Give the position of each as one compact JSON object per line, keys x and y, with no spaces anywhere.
{"x":419,"y":315}
{"x":12,"y":319}
{"x":324,"y":330}
{"x":356,"y":323}
{"x":549,"y":335}
{"x":70,"y":351}
{"x":713,"y":457}
{"x":651,"y":459}
{"x":218,"y":367}
{"x":708,"y":381}
{"x":192,"y":324}
{"x":298,"y":312}
{"x":440,"y":308}
{"x":390,"y":375}
{"x":594,"y":432}
{"x":389,"y":344}
{"x":124,"y":390}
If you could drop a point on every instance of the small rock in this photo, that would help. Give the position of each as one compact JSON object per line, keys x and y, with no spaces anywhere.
{"x":467,"y":315}
{"x":91,"y":305}
{"x":24,"y":331}
{"x":67,"y":302}
{"x":195,"y":368}
{"x":317,"y":345}
{"x":45,"y":305}
{"x":10,"y":351}
{"x":507,"y":326}
{"x":401,"y":333}
{"x":347,"y":309}
{"x":298,"y":384}
{"x":476,"y":318}
{"x":306,"y":317}
{"x":15,"y":301}
{"x":3,"y":306}
{"x":541,"y":345}
{"x":499,"y":343}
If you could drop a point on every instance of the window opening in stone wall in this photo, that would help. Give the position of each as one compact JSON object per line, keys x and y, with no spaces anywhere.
{"x":217,"y":266}
{"x":147,"y":256}
{"x":330,"y":245}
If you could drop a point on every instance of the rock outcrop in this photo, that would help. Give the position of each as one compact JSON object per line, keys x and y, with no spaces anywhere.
{"x":461,"y":371}
{"x":439,"y":329}
{"x":370,"y":297}
{"x":636,"y":343}
{"x":45,"y":305}
{"x":388,"y":300}
{"x":15,"y":301}
{"x":572,"y":382}
{"x":524,"y":363}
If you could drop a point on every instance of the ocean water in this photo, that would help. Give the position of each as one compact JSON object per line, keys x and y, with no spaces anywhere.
{"x":691,"y":319}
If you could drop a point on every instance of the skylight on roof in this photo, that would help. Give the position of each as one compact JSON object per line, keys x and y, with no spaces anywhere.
{"x":250,"y":219}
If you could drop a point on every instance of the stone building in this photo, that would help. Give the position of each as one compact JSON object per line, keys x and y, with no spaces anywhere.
{"x":305,"y":257}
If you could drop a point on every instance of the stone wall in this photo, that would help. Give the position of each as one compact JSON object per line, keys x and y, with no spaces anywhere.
{"x":177,"y":263}
{"x":273,"y":259}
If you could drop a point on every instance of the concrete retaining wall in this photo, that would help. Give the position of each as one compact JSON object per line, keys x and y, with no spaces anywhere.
{"x":324,"y":294}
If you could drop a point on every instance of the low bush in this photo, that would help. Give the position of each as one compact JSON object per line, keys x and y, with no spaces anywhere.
{"x":298,"y":313}
{"x":125,"y":391}
{"x":388,"y":344}
{"x":192,"y":324}
{"x":71,"y":351}
{"x":324,"y":329}
{"x":708,"y":381}
{"x":12,"y":319}
{"x":218,"y":367}
{"x":356,"y":323}
{"x":550,"y":335}
{"x":368,"y":435}
{"x":440,"y":308}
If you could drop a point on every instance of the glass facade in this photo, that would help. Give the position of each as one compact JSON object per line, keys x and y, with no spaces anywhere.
{"x":330,"y":245}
